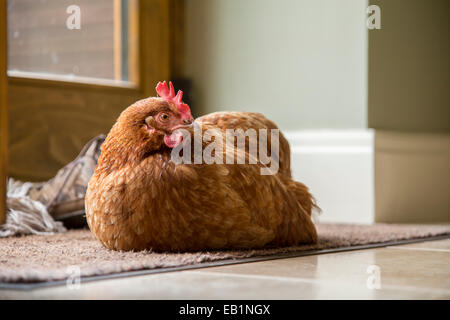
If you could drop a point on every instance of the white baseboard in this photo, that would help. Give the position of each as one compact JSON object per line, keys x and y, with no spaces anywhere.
{"x":367,"y":176}
{"x":338,"y":167}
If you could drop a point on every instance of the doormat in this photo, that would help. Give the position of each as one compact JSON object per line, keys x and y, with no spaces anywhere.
{"x":33,"y":261}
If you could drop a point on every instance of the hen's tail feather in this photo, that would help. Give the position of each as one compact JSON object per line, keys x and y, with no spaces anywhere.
{"x":298,"y":227}
{"x":304,"y":197}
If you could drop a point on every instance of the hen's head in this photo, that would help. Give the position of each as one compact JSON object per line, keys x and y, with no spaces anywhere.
{"x":148,"y":126}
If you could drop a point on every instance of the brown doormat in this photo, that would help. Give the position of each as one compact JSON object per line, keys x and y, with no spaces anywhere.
{"x":32,"y":261}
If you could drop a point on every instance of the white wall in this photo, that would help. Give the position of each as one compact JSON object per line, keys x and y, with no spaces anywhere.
{"x":300,"y":62}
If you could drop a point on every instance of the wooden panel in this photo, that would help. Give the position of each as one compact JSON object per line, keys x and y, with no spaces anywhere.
{"x":177,"y":49}
{"x":3,"y":112}
{"x":154,"y":28}
{"x":50,"y":125}
{"x":50,"y":120}
{"x":133,"y":41}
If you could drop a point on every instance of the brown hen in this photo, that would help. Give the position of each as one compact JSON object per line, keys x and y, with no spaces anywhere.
{"x":138,"y":198}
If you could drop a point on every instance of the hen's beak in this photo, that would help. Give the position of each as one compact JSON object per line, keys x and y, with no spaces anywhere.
{"x":188,"y":121}
{"x":186,"y":125}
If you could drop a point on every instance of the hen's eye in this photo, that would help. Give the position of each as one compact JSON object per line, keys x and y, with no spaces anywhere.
{"x":164,"y":117}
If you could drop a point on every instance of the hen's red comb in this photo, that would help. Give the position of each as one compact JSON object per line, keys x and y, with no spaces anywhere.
{"x":169,"y":95}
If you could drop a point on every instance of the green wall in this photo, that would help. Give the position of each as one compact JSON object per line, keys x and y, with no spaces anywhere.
{"x":303,"y":63}
{"x":314,"y":64}
{"x":409,"y":67}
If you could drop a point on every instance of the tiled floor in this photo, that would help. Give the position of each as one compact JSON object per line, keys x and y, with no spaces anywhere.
{"x":415,"y":271}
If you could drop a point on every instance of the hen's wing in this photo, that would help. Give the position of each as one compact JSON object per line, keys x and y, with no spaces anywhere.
{"x":250,"y":120}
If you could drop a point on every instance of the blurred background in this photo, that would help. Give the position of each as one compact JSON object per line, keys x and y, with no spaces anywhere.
{"x":366,"y":111}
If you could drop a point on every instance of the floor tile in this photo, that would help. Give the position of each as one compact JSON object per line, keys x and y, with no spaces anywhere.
{"x":403,"y":274}
{"x":408,"y":270}
{"x":439,"y":245}
{"x":199,"y":285}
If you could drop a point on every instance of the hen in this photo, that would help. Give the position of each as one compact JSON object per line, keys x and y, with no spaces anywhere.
{"x":139,"y":198}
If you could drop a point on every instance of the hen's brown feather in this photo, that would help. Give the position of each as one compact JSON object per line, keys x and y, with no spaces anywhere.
{"x":251,"y":120}
{"x":141,"y":200}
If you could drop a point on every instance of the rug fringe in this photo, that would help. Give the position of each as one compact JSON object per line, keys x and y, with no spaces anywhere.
{"x":25,"y":215}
